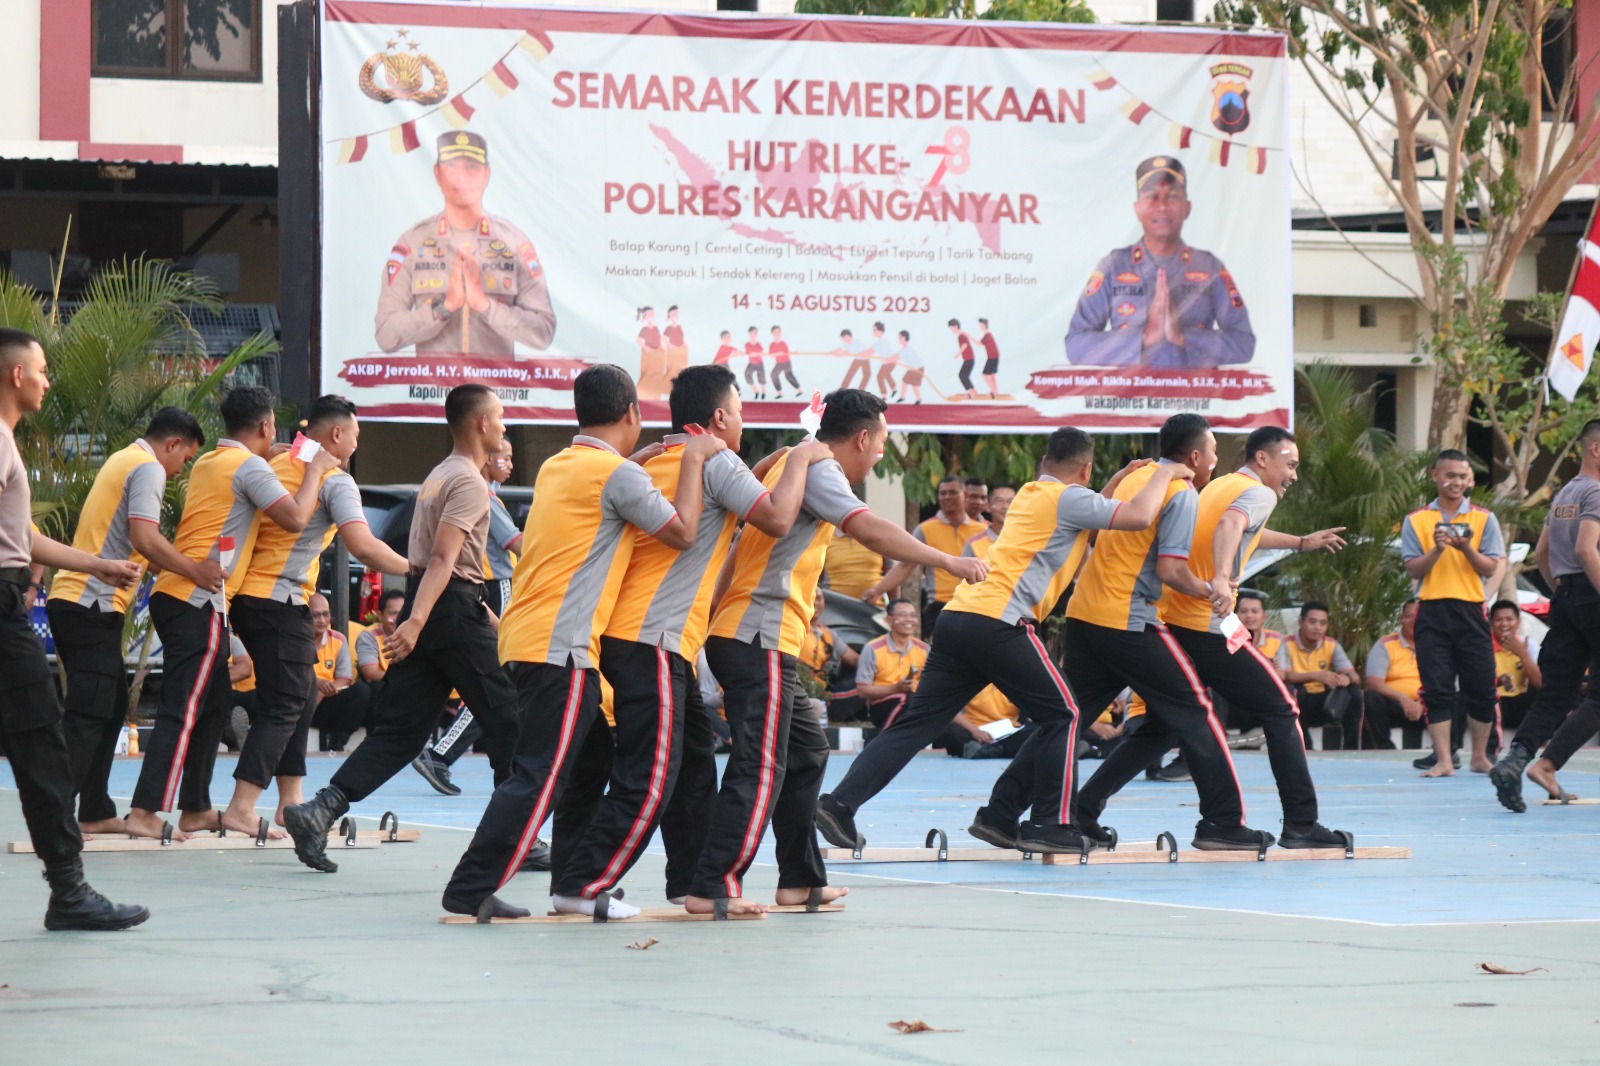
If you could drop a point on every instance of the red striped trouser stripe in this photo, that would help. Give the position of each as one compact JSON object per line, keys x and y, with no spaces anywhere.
{"x":762,"y":807}
{"x":658,"y":783}
{"x":1211,"y":712}
{"x":541,"y":806}
{"x":1070,"y":761}
{"x":191,"y":712}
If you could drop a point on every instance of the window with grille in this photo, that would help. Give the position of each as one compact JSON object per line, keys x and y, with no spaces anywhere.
{"x":201,"y":39}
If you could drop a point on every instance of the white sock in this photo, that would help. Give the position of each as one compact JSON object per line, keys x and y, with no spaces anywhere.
{"x":579,"y":905}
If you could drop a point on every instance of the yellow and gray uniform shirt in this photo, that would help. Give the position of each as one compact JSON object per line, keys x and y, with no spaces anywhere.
{"x":369,"y":648}
{"x":128,"y":488}
{"x":228,"y":490}
{"x":417,"y":274}
{"x":1328,"y":655}
{"x":1119,"y":588}
{"x":283,"y":565}
{"x":773,"y":591}
{"x":1240,"y":491}
{"x":1394,"y":661}
{"x":951,"y":538}
{"x":882,"y":663}
{"x":665,"y":598}
{"x":333,"y":658}
{"x":1511,"y":678}
{"x":588,"y":502}
{"x":1108,"y":326}
{"x":497,"y":561}
{"x":1452,"y":576}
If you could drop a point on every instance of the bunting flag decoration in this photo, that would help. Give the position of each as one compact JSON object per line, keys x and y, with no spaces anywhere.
{"x":1221,"y":151}
{"x":1572,"y":346}
{"x":457,"y":112}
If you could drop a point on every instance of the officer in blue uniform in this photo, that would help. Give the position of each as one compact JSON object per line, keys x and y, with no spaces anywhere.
{"x":1160,"y":302}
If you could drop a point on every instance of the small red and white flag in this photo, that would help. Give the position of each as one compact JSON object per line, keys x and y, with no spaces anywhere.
{"x":1572,"y":347}
{"x":811,"y":415}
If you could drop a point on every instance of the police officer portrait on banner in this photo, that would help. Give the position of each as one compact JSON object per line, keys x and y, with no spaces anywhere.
{"x":1160,"y":302}
{"x":464,"y":281}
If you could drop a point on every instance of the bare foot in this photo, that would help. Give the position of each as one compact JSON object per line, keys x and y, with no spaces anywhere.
{"x":1543,"y":773}
{"x":1441,"y":771}
{"x":790,"y":897}
{"x":736,"y":905}
{"x":1481,"y":766}
{"x":277,"y":819}
{"x":203,"y":822}
{"x":247,"y":823}
{"x":150,"y":825}
{"x":104,"y":825}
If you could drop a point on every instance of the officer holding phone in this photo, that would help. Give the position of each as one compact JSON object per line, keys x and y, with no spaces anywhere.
{"x":1453,"y":550}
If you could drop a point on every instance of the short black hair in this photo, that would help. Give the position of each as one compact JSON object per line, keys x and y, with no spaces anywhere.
{"x":879,"y":326}
{"x":330,"y":408}
{"x":13,"y":342}
{"x":956,"y":322}
{"x":1264,"y":438}
{"x":848,"y":412}
{"x":1451,"y":455}
{"x":1252,"y":594}
{"x":602,"y":395}
{"x":388,"y":596}
{"x":1069,"y":445}
{"x":1181,"y":434}
{"x":996,"y":488}
{"x":977,"y":483}
{"x":846,"y":333}
{"x":905,"y":336}
{"x":172,"y":422}
{"x":1505,"y":605}
{"x":464,"y":403}
{"x":697,"y":392}
{"x":1314,"y":605}
{"x":983,"y":321}
{"x":244,"y":407}
{"x":949,"y":478}
{"x":895,"y":603}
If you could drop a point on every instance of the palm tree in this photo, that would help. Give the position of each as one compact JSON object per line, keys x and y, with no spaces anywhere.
{"x":1352,"y":474}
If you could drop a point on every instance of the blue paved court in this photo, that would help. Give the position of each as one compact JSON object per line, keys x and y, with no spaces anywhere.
{"x":1473,"y":861}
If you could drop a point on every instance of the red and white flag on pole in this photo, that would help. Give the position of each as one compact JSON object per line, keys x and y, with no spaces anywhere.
{"x":1572,"y":348}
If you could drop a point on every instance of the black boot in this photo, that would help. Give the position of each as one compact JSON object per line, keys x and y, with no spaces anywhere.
{"x":308,"y":823}
{"x":74,"y":905}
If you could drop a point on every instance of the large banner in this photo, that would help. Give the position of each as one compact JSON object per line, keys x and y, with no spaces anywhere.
{"x":999,"y":227}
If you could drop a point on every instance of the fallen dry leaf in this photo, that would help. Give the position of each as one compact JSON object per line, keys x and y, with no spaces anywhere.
{"x":1492,"y":967}
{"x":905,"y":1028}
{"x":644,"y":945}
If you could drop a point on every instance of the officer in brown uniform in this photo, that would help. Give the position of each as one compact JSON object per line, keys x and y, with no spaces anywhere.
{"x":464,"y":281}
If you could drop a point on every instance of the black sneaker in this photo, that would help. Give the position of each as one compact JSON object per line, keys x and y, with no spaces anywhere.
{"x":1309,"y":835}
{"x":436,"y":772}
{"x":538,"y":858}
{"x":1427,"y":762}
{"x":1507,"y":778}
{"x":1176,"y":770}
{"x":993,"y":830}
{"x":1046,"y":839}
{"x":837,"y":823}
{"x":1209,"y":836}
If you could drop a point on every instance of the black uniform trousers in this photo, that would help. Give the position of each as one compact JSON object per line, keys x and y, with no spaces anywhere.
{"x":970,"y":652}
{"x":687,"y":818}
{"x":282,"y":643}
{"x":1249,"y":681}
{"x":457,"y":649}
{"x":1454,"y":647}
{"x":649,"y":686}
{"x":1384,"y":714}
{"x":89,"y":645}
{"x":196,"y":698}
{"x":1579,"y":728}
{"x":556,"y":708}
{"x":337,"y":716}
{"x":1569,"y":650}
{"x":774,"y":773}
{"x":1100,"y":662}
{"x":30,"y":731}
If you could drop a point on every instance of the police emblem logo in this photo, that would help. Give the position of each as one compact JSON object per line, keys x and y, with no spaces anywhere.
{"x":406,"y":74}
{"x":1128,"y":277}
{"x":491,"y":282}
{"x":1095,"y":281}
{"x":1125,"y":309}
{"x":1230,"y":97}
{"x":497,"y":246}
{"x":397,"y":259}
{"x":1233,"y":291}
{"x":529,"y":258}
{"x":1197,"y":275}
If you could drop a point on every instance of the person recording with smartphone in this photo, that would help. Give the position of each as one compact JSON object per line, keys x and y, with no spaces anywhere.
{"x":1454,"y":552}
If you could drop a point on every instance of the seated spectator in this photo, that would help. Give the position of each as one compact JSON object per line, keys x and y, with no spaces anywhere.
{"x":1106,"y":731}
{"x":341,"y":706}
{"x":1394,"y":684}
{"x":1326,"y":684}
{"x":886,"y":674}
{"x":831,"y":661}
{"x":1516,"y":663}
{"x":242,"y":680}
{"x":850,"y":567}
{"x":1251,"y":610}
{"x":966,"y":738}
{"x":372,"y":655}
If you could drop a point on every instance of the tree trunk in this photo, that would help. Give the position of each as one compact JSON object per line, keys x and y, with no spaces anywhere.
{"x":1447,"y":428}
